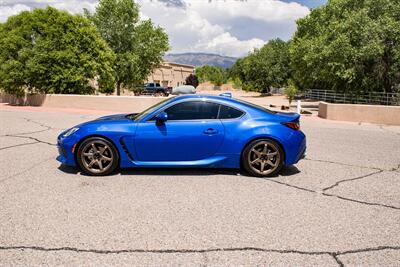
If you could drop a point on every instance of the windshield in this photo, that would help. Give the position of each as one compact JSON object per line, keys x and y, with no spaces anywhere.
{"x":141,"y":115}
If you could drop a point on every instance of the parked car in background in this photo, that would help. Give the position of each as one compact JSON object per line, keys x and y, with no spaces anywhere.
{"x":155,"y":89}
{"x":183,"y":89}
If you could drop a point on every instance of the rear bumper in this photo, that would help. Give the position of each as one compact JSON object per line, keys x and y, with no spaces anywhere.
{"x":303,"y":149}
{"x":297,"y":148}
{"x":304,"y":154}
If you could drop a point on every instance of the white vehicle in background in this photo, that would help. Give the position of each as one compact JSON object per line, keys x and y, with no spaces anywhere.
{"x":183,"y":90}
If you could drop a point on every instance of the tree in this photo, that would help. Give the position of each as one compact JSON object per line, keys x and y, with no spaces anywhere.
{"x":192,"y":80}
{"x":215,"y":75}
{"x":139,"y":45}
{"x":264,"y":68}
{"x":50,"y":51}
{"x":350,"y":46}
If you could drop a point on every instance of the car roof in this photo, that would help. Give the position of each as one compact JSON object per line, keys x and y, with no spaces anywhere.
{"x":237,"y":103}
{"x":205,"y":96}
{"x":222,"y":99}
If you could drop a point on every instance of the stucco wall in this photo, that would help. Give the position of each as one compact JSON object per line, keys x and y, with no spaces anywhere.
{"x":360,"y":113}
{"x":171,"y":74}
{"x":342,"y":112}
{"x":110,"y":103}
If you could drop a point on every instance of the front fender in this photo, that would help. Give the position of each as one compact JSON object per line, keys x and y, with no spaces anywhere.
{"x":113,"y":132}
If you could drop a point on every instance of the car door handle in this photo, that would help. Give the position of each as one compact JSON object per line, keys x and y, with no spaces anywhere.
{"x":210,"y":131}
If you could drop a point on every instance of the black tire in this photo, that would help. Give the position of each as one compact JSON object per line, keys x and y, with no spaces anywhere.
{"x":97,"y":156}
{"x":255,"y":159}
{"x":158,"y":93}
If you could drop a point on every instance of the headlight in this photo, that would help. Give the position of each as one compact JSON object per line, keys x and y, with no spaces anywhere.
{"x":70,"y":131}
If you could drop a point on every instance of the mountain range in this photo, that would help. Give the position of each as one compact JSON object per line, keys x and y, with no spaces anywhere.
{"x":201,"y":59}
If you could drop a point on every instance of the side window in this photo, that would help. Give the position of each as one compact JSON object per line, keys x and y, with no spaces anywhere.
{"x":194,"y":110}
{"x":229,"y":113}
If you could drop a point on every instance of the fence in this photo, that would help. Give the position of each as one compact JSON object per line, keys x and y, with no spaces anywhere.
{"x":374,"y":98}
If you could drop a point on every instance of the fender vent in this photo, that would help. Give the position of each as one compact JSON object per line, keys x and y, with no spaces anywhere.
{"x":125,"y":149}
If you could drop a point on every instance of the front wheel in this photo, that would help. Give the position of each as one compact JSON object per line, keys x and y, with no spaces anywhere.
{"x":262,"y":158}
{"x":97,"y":156}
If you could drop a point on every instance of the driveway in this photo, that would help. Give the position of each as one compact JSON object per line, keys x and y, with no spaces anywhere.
{"x":339,"y":206}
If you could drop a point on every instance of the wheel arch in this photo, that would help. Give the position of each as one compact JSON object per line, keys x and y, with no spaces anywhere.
{"x":260,"y":138}
{"x":78,"y":144}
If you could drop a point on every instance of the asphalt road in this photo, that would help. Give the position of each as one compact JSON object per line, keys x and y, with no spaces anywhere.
{"x":339,"y":206}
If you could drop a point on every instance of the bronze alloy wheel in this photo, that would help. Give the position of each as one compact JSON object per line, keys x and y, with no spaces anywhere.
{"x":97,"y":156}
{"x":263,"y":158}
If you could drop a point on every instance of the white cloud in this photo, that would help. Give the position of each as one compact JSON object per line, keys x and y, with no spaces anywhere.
{"x":7,"y":11}
{"x":226,"y":44}
{"x":13,"y":7}
{"x":74,"y":6}
{"x":266,"y":10}
{"x":204,"y":26}
{"x":226,"y":27}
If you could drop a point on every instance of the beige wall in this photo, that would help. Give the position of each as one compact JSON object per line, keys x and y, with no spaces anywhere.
{"x":343,"y":112}
{"x":360,"y":113}
{"x":109,"y":103}
{"x":171,"y":74}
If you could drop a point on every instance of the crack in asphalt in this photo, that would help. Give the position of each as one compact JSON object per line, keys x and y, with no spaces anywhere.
{"x":345,"y":164}
{"x":338,"y":261}
{"x":33,"y":132}
{"x":352,"y":165}
{"x":23,"y":135}
{"x":362,"y":202}
{"x":351,"y":179}
{"x":25,"y":144}
{"x":42,"y":124}
{"x":333,"y":254}
{"x":395,"y":169}
{"x":290,"y":185}
{"x":32,"y":138}
{"x":39,"y":131}
{"x":337,"y":196}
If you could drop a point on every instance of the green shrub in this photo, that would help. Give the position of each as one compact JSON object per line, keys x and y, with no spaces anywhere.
{"x":291,"y":91}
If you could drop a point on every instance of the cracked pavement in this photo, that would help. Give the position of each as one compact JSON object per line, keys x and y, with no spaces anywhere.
{"x":339,"y":207}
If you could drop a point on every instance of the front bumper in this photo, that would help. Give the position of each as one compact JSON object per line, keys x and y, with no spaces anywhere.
{"x":65,"y":146}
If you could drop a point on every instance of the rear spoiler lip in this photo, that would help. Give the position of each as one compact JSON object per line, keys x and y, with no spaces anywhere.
{"x":289,"y":117}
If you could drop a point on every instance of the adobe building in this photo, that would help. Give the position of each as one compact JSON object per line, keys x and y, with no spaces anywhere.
{"x":171,"y":74}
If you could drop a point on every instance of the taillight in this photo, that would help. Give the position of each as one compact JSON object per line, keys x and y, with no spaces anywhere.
{"x":292,"y":125}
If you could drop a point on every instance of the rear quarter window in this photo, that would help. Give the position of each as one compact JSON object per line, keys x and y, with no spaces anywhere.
{"x":226,"y":112}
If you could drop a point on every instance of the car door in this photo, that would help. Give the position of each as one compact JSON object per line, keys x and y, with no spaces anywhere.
{"x":192,"y":132}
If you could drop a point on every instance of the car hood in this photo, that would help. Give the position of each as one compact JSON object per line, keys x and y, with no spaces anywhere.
{"x":113,"y":117}
{"x":109,"y":119}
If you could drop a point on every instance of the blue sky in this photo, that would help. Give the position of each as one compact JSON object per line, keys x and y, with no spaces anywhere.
{"x":226,"y":27}
{"x":308,"y":3}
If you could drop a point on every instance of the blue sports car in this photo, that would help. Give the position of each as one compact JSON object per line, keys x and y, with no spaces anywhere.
{"x":187,"y":131}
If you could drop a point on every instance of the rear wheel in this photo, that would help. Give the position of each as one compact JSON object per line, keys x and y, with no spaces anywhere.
{"x":97,"y":156}
{"x":262,"y":158}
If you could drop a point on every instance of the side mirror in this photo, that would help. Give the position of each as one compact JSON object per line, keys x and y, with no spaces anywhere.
{"x":161,"y":117}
